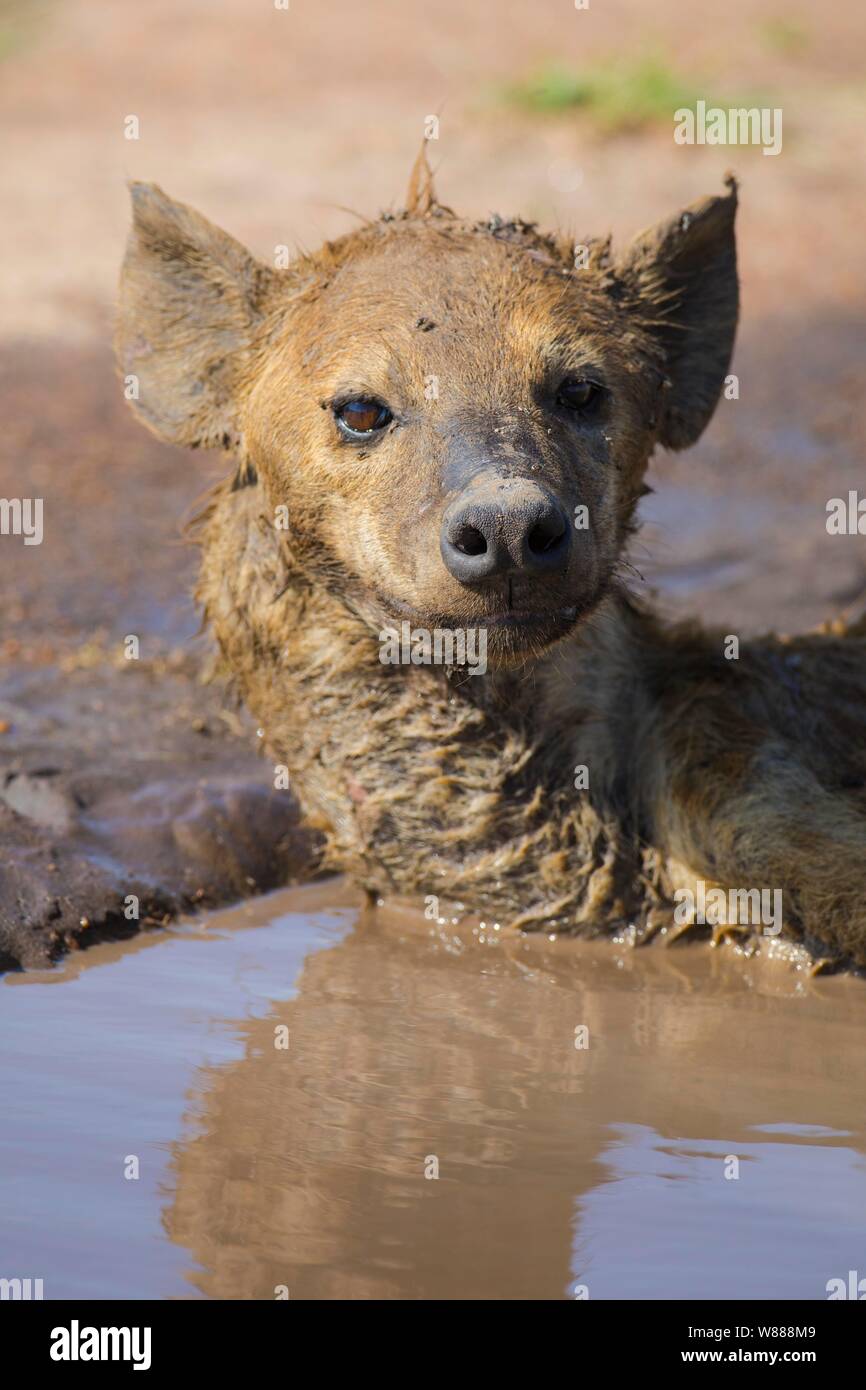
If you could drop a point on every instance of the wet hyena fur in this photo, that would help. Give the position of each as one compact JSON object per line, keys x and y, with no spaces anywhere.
{"x":414,"y":414}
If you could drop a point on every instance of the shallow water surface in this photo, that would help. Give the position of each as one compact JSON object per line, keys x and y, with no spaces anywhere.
{"x":288,"y":1077}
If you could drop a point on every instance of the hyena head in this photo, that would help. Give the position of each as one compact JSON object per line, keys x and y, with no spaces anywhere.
{"x":452,"y":418}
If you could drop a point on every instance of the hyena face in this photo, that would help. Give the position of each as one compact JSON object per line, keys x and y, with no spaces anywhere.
{"x":455,"y":418}
{"x":457,"y":428}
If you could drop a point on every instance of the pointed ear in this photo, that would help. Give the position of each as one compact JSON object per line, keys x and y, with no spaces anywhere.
{"x":682,"y":275}
{"x":190,"y":299}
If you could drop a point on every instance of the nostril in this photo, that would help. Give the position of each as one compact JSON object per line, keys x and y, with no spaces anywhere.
{"x":519,"y":528}
{"x":469,"y":541}
{"x":546,"y":535}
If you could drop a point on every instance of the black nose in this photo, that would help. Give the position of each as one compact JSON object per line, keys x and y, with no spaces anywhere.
{"x":509,"y":526}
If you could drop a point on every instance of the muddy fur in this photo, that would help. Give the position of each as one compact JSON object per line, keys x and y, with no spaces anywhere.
{"x":746,"y":774}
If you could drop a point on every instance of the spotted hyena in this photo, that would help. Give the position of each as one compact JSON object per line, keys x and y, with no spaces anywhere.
{"x":438,"y":432}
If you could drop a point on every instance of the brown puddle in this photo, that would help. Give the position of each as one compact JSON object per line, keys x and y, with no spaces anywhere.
{"x":411,"y":1045}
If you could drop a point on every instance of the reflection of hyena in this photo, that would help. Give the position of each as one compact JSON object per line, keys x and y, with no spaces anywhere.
{"x":456,"y":509}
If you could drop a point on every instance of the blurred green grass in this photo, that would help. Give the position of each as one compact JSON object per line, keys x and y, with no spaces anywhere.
{"x":619,"y":97}
{"x":785,"y":36}
{"x":19,"y":22}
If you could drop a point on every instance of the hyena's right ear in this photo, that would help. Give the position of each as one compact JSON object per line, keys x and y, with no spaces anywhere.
{"x":190,"y":300}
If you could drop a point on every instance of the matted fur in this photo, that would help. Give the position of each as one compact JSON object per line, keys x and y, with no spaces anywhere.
{"x":747,"y":774}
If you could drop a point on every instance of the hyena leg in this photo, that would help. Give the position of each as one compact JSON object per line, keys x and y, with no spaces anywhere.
{"x":773,"y":827}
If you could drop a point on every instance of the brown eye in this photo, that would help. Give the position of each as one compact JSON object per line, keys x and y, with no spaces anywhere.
{"x":578,"y":395}
{"x":362,"y":417}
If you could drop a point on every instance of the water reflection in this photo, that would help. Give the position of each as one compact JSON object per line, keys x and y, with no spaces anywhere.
{"x":676,"y":1218}
{"x":305,"y":1166}
{"x":556,"y":1165}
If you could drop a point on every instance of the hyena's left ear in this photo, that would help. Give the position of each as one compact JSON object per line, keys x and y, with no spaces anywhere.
{"x":190,"y":299}
{"x":683,"y":274}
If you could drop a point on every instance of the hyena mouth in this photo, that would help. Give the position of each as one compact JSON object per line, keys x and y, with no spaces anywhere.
{"x":525,"y":617}
{"x":505,"y":617}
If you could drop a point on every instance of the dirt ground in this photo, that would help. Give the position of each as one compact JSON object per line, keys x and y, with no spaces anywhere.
{"x":121,"y":777}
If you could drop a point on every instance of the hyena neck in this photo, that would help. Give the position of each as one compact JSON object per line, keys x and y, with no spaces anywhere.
{"x":424,"y":781}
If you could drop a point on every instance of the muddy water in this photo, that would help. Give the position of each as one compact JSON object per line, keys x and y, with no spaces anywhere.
{"x":283,"y":1076}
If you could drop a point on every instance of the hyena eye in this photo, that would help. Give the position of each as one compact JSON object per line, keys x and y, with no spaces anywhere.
{"x":575,"y":394}
{"x":362,"y":417}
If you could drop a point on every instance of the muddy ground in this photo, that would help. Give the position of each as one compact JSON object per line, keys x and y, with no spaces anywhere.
{"x":123,"y":777}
